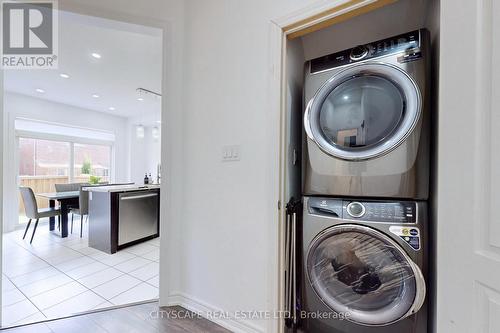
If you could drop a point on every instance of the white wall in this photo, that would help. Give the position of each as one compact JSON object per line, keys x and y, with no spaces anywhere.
{"x":22,"y":106}
{"x":145,"y":153}
{"x":229,"y":207}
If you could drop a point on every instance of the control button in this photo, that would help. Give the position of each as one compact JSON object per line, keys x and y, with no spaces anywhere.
{"x":413,"y":232}
{"x":356,"y":209}
{"x":359,"y":52}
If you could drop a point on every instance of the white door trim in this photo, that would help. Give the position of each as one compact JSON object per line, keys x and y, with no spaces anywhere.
{"x":468,"y":168}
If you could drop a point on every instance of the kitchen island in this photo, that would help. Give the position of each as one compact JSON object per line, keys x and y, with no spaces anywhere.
{"x":122,"y":215}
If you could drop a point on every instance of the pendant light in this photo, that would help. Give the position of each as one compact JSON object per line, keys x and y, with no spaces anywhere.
{"x":139,"y":131}
{"x":155,"y":132}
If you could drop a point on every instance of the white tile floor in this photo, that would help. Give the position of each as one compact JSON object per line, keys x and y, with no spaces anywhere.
{"x":55,"y":277}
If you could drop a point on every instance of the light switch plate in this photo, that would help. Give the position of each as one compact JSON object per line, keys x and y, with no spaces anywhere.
{"x":231,"y":153}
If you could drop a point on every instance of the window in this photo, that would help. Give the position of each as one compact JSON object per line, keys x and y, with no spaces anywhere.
{"x":43,"y":158}
{"x":92,"y":160}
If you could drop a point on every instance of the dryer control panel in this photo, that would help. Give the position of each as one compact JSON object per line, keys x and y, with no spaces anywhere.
{"x":397,"y":44}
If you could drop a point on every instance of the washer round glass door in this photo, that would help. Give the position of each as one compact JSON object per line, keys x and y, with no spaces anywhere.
{"x":364,"y":275}
{"x":364,"y":111}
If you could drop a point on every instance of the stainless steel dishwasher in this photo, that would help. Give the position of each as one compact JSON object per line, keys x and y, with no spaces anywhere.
{"x":137,"y":216}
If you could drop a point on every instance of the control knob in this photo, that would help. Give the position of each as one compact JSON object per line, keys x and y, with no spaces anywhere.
{"x":356,"y":209}
{"x":359,"y":52}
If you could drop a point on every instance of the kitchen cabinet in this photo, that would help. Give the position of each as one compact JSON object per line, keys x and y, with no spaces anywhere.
{"x":121,"y":216}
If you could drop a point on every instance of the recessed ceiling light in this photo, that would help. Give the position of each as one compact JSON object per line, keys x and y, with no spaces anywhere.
{"x":140,"y":99}
{"x":64,"y":75}
{"x":111,"y":108}
{"x":95,"y":96}
{"x":96,"y":55}
{"x":38,"y":90}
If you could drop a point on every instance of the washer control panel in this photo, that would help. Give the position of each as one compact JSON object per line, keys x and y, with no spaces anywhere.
{"x":324,"y":206}
{"x":408,"y":42}
{"x":399,"y":211}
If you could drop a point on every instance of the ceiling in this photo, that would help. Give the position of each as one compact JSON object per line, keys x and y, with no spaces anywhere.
{"x":131,"y":58}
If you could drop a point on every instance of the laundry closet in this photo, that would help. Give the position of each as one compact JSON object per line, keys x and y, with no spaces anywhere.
{"x":360,"y":143}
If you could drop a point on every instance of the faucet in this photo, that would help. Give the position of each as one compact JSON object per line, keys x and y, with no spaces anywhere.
{"x":158,"y":173}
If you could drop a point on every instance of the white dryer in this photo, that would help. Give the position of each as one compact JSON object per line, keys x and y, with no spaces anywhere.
{"x":367,"y":120}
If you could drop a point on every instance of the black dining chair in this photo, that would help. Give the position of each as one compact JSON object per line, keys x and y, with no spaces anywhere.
{"x":32,"y":211}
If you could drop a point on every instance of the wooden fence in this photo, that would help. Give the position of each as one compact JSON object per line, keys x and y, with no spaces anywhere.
{"x":44,"y":184}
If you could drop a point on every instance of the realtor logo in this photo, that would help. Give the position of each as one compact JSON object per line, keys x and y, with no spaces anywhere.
{"x":29,"y":34}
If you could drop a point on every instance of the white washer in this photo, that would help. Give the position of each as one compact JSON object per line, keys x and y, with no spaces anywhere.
{"x":367,"y":120}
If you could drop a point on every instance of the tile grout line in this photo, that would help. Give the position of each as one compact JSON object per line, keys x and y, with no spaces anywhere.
{"x":92,"y":289}
{"x":133,"y":269}
{"x":75,"y":280}
{"x":28,"y":299}
{"x":88,"y":289}
{"x":17,"y":276}
{"x":135,"y":285}
{"x":62,"y":302}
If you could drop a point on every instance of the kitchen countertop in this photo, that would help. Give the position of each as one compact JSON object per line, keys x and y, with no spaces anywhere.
{"x":121,"y":188}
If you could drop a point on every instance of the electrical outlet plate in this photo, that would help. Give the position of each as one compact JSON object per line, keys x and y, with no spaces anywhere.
{"x":230,"y":153}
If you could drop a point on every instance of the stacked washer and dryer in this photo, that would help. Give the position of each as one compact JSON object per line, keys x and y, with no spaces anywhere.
{"x":366,"y":182}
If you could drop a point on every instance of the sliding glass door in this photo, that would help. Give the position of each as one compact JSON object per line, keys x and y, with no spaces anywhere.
{"x":43,"y":158}
{"x":44,"y":163}
{"x":91,"y":163}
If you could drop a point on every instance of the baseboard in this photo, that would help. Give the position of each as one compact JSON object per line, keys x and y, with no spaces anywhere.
{"x":192,"y":304}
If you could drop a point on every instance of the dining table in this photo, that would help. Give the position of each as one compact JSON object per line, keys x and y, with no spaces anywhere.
{"x":67,"y":200}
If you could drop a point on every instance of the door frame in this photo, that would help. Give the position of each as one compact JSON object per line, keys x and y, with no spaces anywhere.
{"x":171,"y":115}
{"x":306,"y":20}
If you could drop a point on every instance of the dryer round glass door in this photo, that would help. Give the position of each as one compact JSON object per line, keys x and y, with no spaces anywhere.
{"x":364,"y":111}
{"x":364,"y":275}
